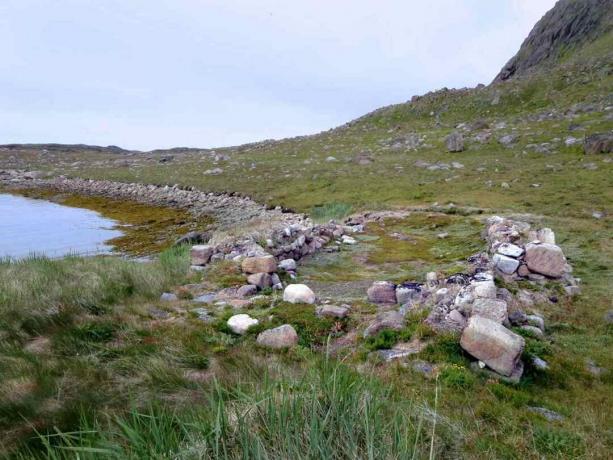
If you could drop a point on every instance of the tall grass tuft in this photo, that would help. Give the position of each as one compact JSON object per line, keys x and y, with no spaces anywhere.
{"x":330,"y":412}
{"x":329,"y":211}
{"x":39,"y":286}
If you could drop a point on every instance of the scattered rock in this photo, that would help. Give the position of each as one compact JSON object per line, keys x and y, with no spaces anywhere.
{"x":156,"y":313}
{"x":247,"y":290}
{"x":455,"y":142}
{"x":168,"y":297}
{"x":598,"y":143}
{"x":387,"y":320}
{"x":280,"y":337}
{"x":509,"y":139}
{"x":539,"y":363}
{"x":533,"y":331}
{"x":492,"y":343}
{"x":298,"y":293}
{"x":548,"y":414}
{"x":240,"y":323}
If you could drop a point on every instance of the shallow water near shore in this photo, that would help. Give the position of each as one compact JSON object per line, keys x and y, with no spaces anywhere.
{"x":31,"y":226}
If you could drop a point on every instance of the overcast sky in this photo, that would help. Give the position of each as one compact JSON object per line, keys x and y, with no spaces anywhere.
{"x":161,"y":73}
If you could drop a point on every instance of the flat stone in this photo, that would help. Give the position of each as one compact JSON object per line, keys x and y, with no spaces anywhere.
{"x":280,"y":337}
{"x":504,"y":264}
{"x":298,"y":293}
{"x":205,"y":298}
{"x":492,"y":343}
{"x":546,"y":259}
{"x":510,"y":250}
{"x":534,"y":331}
{"x":493,"y":309}
{"x":239,"y":324}
{"x":263,"y":264}
{"x":332,"y":311}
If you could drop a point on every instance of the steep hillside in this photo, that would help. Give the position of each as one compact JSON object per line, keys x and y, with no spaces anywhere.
{"x":570,"y":24}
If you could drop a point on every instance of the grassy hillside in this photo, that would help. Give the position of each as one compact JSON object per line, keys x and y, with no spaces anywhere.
{"x":119,"y":379}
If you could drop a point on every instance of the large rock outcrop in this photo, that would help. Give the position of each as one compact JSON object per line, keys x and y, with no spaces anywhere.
{"x":569,"y":24}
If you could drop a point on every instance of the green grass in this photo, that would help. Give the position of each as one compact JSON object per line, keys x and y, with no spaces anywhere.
{"x":329,"y":412}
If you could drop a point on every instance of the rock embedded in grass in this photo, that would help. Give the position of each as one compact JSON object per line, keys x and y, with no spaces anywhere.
{"x":388,"y":320}
{"x":333,"y":311}
{"x":239,"y":324}
{"x":494,"y":344}
{"x":455,"y":142}
{"x":284,"y":336}
{"x":168,"y":297}
{"x":298,"y":293}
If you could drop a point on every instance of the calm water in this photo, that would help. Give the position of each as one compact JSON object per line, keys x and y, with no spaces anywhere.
{"x":37,"y":226}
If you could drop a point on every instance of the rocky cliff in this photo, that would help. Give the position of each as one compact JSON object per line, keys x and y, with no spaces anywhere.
{"x":567,"y":26}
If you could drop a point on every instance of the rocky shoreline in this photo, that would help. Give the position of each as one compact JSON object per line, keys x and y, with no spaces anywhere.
{"x":242,"y":227}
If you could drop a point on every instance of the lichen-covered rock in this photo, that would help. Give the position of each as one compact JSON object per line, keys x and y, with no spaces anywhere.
{"x":201,"y":254}
{"x":495,"y":345}
{"x":239,"y":324}
{"x":546,"y":259}
{"x":280,"y":337}
{"x":382,"y":292}
{"x":264,"y":264}
{"x":493,"y":309}
{"x":298,"y":293}
{"x":455,"y":142}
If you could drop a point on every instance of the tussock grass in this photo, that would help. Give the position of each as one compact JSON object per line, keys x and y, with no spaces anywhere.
{"x":40,"y":286}
{"x":329,"y":412}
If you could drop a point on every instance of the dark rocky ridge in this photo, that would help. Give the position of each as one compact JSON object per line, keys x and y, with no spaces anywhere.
{"x":569,"y":24}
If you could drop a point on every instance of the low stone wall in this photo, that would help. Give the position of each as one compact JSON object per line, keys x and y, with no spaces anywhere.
{"x":243,"y":227}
